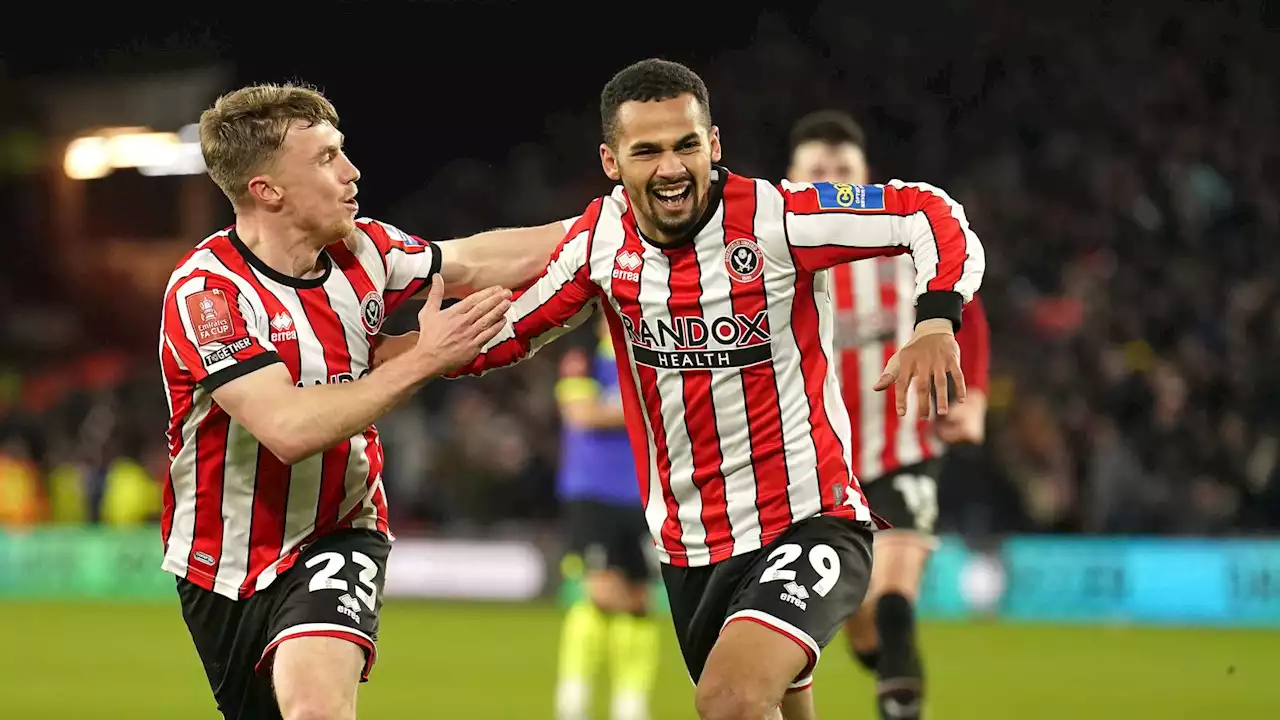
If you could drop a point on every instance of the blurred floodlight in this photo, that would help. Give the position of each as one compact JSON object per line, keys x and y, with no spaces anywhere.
{"x":87,"y":158}
{"x":186,"y":160}
{"x":143,"y":149}
{"x":152,"y":153}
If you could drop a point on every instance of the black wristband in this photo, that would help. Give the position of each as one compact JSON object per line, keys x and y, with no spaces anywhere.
{"x":936,"y":304}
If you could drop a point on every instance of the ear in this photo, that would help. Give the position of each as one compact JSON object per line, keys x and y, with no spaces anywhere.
{"x":609,"y":163}
{"x":264,"y":190}
{"x":715,"y":144}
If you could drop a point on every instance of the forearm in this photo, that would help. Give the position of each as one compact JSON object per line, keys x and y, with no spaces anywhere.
{"x":313,"y":419}
{"x":510,"y":258}
{"x":949,"y":258}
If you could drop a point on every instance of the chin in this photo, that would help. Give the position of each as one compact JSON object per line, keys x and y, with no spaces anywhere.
{"x":676,"y":228}
{"x":341,"y":230}
{"x":682,"y":224}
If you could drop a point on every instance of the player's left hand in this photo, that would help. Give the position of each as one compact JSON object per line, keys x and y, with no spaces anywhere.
{"x":927,"y":360}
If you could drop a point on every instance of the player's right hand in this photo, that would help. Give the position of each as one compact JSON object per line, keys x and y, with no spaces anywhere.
{"x":454,"y":336}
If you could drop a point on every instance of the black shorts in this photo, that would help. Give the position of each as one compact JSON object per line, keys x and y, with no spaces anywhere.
{"x":804,"y":584}
{"x":611,"y":536}
{"x":334,"y":589}
{"x":907,"y":497}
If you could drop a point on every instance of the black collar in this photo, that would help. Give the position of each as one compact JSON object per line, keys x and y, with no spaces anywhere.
{"x":276,"y":275}
{"x":714,"y":195}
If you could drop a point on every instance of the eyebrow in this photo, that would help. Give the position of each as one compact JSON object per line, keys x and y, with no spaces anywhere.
{"x":655,"y":146}
{"x":332,"y":147}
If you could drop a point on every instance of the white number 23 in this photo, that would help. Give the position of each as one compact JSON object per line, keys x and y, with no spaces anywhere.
{"x":324,"y":578}
{"x":823,"y":558}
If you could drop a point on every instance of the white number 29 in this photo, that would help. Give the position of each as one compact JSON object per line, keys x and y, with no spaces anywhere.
{"x":824,"y":560}
{"x":324,"y":578}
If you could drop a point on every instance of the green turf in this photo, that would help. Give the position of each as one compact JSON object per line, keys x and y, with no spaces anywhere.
{"x":484,"y":662}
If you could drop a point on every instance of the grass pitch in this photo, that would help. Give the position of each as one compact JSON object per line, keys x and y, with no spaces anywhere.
{"x":497,"y":662}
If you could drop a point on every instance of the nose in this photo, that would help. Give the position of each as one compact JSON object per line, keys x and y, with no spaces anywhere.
{"x":669,"y":165}
{"x":352,"y":173}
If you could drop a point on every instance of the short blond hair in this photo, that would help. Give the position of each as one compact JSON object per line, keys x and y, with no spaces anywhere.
{"x":241,"y":134}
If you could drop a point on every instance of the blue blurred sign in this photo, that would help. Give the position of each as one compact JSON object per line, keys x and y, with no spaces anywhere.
{"x":1135,"y":580}
{"x":1102,"y":580}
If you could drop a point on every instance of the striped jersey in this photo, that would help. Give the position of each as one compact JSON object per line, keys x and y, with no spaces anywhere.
{"x":874,"y":317}
{"x":595,"y":463}
{"x":235,"y":517}
{"x":729,"y":383}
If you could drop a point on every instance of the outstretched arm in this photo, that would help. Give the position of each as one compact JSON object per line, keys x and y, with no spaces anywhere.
{"x":558,"y":301}
{"x":510,"y":257}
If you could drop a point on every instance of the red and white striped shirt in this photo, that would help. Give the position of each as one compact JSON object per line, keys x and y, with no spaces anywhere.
{"x":875,"y":316}
{"x":235,"y":516}
{"x":724,"y":345}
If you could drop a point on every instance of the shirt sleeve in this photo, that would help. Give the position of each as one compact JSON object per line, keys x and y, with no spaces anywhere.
{"x":832,"y":223}
{"x":211,"y":329}
{"x":410,"y":261}
{"x":560,"y":299}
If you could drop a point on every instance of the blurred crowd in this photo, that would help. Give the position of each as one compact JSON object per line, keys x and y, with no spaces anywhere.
{"x":1122,"y":167}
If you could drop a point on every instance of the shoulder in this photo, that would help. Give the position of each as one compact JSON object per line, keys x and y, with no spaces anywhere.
{"x":603,"y":209}
{"x":741,"y":187}
{"x":382,"y":235}
{"x":202,"y":261}
{"x":599,"y":219}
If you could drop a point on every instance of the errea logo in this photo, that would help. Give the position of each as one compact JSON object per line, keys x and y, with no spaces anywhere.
{"x":349,"y":607}
{"x":795,"y":594}
{"x":627,"y":266}
{"x":282,"y":328}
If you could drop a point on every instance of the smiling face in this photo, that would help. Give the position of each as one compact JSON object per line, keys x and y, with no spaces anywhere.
{"x":312,"y":181}
{"x":662,"y":152}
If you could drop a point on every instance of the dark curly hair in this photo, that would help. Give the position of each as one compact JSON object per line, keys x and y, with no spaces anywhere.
{"x":647,"y":81}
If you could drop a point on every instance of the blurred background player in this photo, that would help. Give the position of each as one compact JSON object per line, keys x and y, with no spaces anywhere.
{"x":609,"y":544}
{"x":896,"y":459}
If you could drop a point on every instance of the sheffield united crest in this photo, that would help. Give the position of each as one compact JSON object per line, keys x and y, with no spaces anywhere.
{"x":372,"y":312}
{"x":744,"y":260}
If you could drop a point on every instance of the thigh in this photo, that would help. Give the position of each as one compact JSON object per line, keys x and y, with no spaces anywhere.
{"x":806,"y":583}
{"x":229,"y":636}
{"x":333,"y":590}
{"x":907,"y":497}
{"x":699,"y":599}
